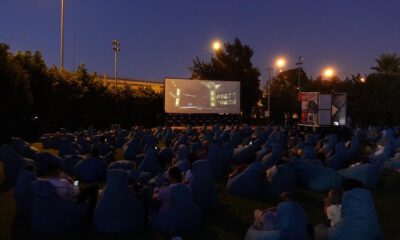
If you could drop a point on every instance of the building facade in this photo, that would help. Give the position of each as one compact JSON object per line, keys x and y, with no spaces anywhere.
{"x":134,"y":84}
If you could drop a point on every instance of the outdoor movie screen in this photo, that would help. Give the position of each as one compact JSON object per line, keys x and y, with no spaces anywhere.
{"x":201,"y":96}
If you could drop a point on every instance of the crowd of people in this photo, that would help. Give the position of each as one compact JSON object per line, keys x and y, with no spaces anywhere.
{"x":166,"y":179}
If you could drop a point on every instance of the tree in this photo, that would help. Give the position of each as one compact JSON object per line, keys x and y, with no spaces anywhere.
{"x":16,"y":98}
{"x":233,"y":63}
{"x":387,"y":63}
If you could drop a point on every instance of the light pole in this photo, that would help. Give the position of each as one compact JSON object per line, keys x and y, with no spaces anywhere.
{"x":328,"y":73}
{"x":216,"y":45}
{"x":62,"y":35}
{"x":299,"y":65}
{"x":115,"y":45}
{"x":280,"y":63}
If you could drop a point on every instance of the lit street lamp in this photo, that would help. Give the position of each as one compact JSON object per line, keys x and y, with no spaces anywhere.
{"x":328,"y":72}
{"x":216,"y":45}
{"x":115,"y":46}
{"x":280,"y":63}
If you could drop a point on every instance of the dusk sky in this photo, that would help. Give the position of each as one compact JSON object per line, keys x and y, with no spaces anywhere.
{"x":161,"y":38}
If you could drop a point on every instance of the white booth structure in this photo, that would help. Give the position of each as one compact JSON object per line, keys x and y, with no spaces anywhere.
{"x":323,"y":109}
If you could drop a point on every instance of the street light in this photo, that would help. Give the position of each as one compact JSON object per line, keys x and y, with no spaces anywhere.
{"x":216,"y":45}
{"x":328,"y":72}
{"x":62,"y":35}
{"x":115,"y":46}
{"x":280,"y":63}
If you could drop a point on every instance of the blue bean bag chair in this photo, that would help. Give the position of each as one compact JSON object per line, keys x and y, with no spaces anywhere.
{"x":214,"y":160}
{"x":202,"y":186}
{"x":254,"y":233}
{"x":43,"y":159}
{"x":121,"y":164}
{"x":243,"y":154}
{"x":52,"y":215}
{"x":339,"y":157}
{"x":150,"y":163}
{"x":85,"y":145}
{"x":149,"y":142}
{"x":28,"y":152}
{"x":291,"y":221}
{"x":131,"y":149}
{"x":117,"y":209}
{"x":283,"y":181}
{"x":66,"y":148}
{"x":308,"y":152}
{"x":69,"y":163}
{"x":90,"y":169}
{"x":184,"y":215}
{"x":272,"y":158}
{"x":329,"y":146}
{"x":225,"y":158}
{"x":359,"y":219}
{"x":354,"y":149}
{"x":18,"y":143}
{"x":317,"y":178}
{"x":367,"y":173}
{"x":12,"y":163}
{"x":249,"y":183}
{"x":23,"y":193}
{"x":265,"y":149}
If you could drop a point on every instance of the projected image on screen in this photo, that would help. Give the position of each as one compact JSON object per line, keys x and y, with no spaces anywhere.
{"x":201,"y":96}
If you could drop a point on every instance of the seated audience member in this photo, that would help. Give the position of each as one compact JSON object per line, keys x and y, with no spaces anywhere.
{"x":358,"y":217}
{"x":287,"y":221}
{"x":66,"y":189}
{"x":177,"y":212}
{"x":163,"y":196}
{"x":332,"y":207}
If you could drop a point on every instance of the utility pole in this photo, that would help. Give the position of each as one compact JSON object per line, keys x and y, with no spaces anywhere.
{"x":299,"y":65}
{"x":115,"y":45}
{"x":62,"y":35}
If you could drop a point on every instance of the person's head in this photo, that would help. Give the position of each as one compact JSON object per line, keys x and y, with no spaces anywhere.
{"x":351,"y":183}
{"x":53,"y":169}
{"x":287,"y":196}
{"x":334,"y":197}
{"x":174,"y":175}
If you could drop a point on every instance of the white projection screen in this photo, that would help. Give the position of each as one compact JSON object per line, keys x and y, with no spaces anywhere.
{"x":201,"y":96}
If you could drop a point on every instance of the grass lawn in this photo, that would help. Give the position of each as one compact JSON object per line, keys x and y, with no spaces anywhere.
{"x":233,"y":218}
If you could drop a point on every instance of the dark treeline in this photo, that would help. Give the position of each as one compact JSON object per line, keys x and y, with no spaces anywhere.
{"x":35,"y":98}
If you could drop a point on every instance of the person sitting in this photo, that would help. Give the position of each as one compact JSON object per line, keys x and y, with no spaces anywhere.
{"x":177,"y":211}
{"x":332,"y":207}
{"x":66,"y":189}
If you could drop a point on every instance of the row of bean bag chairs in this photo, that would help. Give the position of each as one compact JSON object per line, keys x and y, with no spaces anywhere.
{"x":13,"y":163}
{"x":290,"y":224}
{"x":183,"y":215}
{"x":117,"y":209}
{"x":358,"y":217}
{"x":131,"y":149}
{"x":316,"y":178}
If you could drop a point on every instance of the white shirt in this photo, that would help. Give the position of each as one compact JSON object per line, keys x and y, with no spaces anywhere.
{"x":333,"y":212}
{"x":64,"y":189}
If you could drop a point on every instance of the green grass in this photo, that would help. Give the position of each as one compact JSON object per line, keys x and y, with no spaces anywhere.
{"x":235,"y":215}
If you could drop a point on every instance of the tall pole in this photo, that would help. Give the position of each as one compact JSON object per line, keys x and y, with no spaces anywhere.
{"x":116,"y":49}
{"x":299,"y":67}
{"x":271,"y":73}
{"x":62,"y":35}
